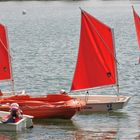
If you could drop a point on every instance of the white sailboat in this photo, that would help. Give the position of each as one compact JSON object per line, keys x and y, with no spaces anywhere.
{"x":96,"y":66}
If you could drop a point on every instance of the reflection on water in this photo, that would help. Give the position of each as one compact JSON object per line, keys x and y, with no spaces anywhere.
{"x":75,"y":134}
{"x":8,"y":136}
{"x":61,"y":123}
{"x":96,"y":135}
{"x":4,"y":137}
{"x":117,"y":114}
{"x":75,"y":131}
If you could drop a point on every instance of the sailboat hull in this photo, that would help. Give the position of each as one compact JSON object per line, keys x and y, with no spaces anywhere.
{"x":102,"y":103}
{"x":44,"y":110}
{"x":50,"y":106}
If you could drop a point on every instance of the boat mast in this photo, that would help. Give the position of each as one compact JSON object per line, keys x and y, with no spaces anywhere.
{"x":11,"y":71}
{"x":117,"y":81}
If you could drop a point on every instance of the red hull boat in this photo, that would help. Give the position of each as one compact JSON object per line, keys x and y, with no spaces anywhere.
{"x":50,"y":106}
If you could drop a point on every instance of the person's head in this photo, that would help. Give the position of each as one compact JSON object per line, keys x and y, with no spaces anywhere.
{"x":62,"y":91}
{"x":14,"y":106}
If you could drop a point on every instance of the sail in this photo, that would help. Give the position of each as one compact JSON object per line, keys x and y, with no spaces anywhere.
{"x":137,"y":25}
{"x":4,"y":55}
{"x":96,"y":62}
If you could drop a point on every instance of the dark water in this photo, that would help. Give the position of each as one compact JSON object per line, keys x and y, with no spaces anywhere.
{"x":44,"y":45}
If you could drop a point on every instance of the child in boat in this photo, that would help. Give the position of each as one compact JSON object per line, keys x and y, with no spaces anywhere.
{"x":15,"y":114}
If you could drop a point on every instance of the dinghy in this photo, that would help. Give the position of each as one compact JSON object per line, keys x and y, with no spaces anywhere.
{"x":25,"y":122}
{"x":51,"y":106}
{"x":96,"y":66}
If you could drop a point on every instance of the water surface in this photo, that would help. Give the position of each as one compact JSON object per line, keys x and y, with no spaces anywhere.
{"x":44,"y":44}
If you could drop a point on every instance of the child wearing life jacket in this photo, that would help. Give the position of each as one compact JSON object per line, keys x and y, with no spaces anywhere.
{"x":15,"y":114}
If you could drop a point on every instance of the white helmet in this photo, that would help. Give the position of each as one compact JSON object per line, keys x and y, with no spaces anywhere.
{"x":62,"y":91}
{"x":14,"y":106}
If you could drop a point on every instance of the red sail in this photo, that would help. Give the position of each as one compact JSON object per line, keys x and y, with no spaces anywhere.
{"x":4,"y":55}
{"x":95,"y":64}
{"x":137,"y":25}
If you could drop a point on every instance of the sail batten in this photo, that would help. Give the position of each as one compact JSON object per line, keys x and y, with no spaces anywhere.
{"x":95,"y":63}
{"x":5,"y":69}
